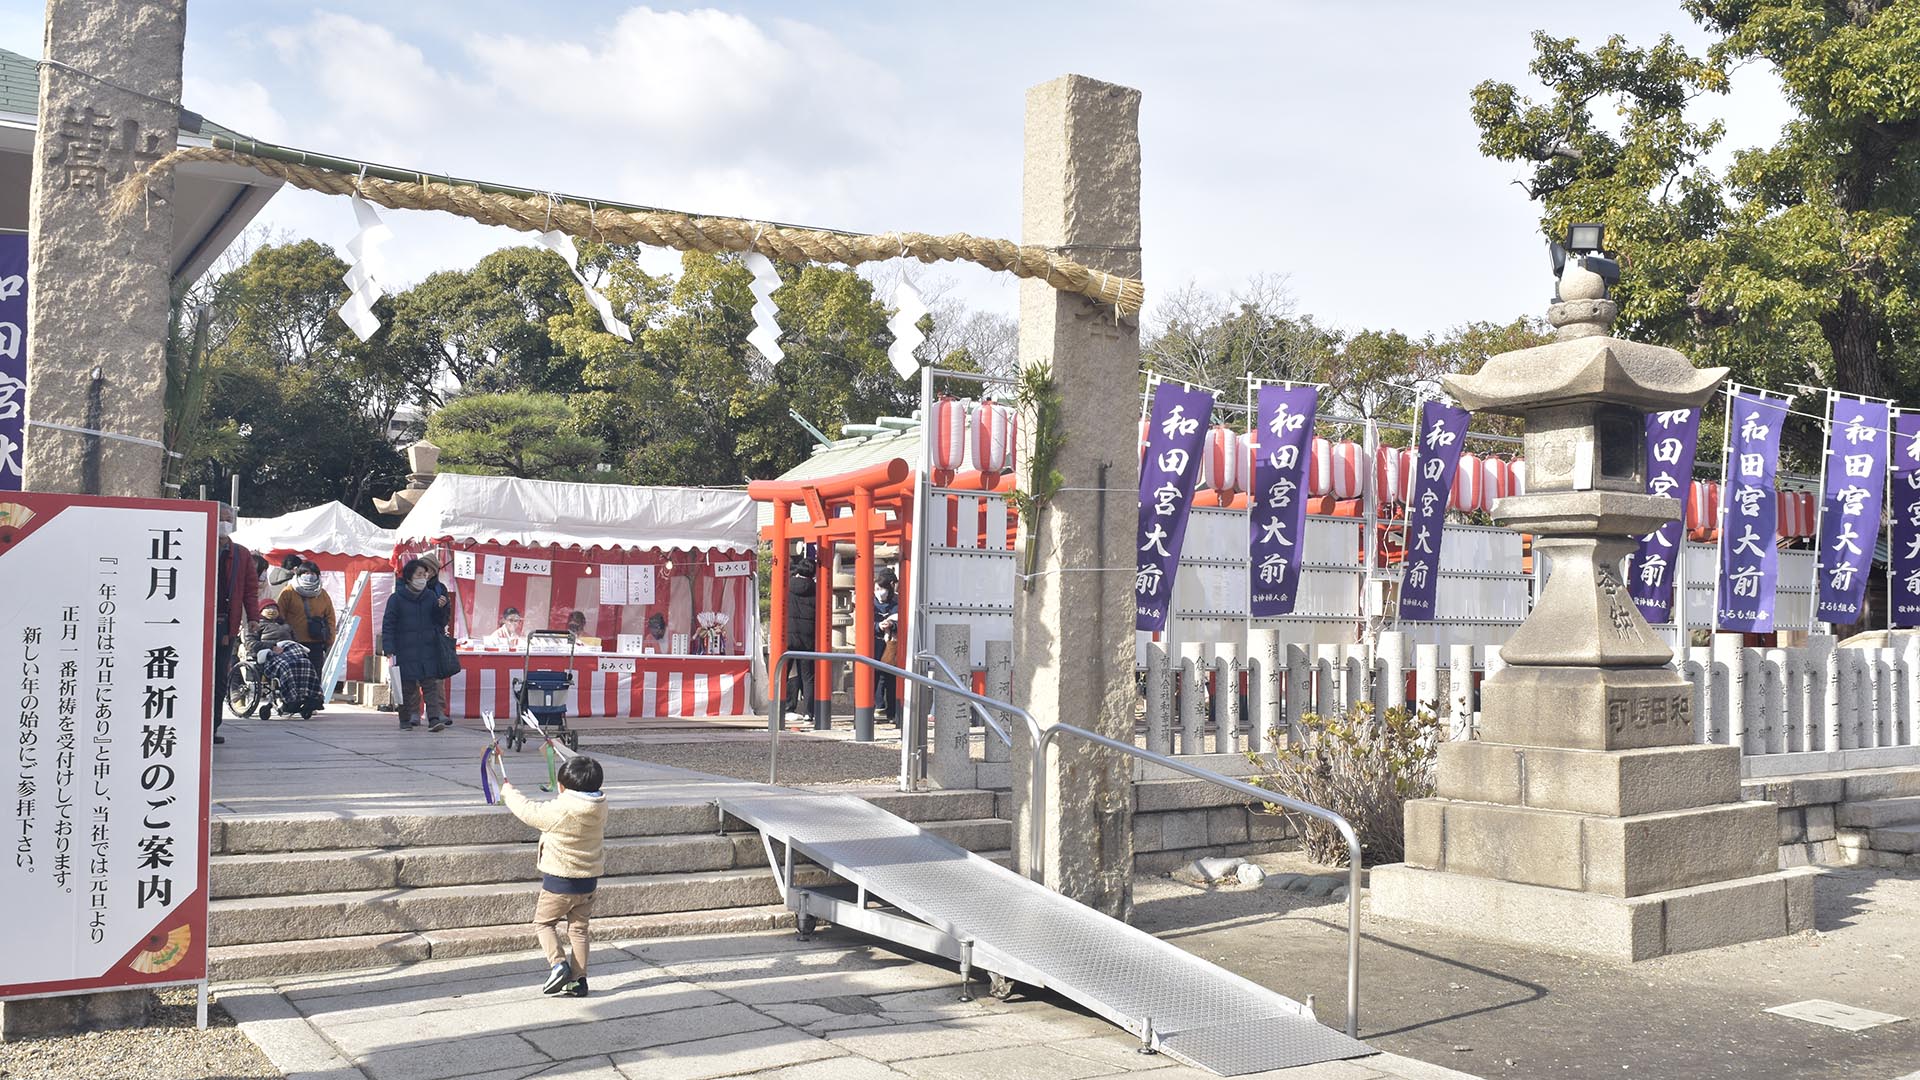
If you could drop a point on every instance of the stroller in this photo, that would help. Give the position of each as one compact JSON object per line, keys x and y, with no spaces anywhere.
{"x":535,"y":692}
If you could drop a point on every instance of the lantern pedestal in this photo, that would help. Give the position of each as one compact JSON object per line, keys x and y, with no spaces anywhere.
{"x":1584,"y":818}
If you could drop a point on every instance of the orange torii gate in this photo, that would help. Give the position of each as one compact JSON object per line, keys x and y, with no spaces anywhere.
{"x":868,"y":506}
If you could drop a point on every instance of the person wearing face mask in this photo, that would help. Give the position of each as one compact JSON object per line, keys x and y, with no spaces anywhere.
{"x":237,"y":596}
{"x":309,"y":610}
{"x":410,"y":633}
{"x":886,"y":635}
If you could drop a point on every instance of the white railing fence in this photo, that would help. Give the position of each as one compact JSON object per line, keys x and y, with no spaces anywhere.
{"x":1807,"y":708}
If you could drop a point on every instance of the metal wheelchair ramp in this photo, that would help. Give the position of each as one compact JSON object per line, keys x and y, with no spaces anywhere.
{"x":922,"y":891}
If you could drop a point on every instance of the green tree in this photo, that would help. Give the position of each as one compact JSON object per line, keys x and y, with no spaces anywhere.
{"x":1802,"y":263}
{"x":514,"y":433}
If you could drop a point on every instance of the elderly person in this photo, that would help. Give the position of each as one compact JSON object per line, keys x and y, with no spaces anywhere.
{"x":309,"y":610}
{"x":411,"y":630}
{"x":237,"y":597}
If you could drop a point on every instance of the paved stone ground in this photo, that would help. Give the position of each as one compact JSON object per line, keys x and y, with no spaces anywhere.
{"x":1504,"y":1012}
{"x":754,"y":1005}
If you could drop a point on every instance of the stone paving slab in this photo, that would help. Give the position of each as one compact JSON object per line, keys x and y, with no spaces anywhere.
{"x":763,"y":1006}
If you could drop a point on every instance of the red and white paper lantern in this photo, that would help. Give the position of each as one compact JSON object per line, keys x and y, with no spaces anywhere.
{"x":1798,"y":515}
{"x":1469,"y":485}
{"x":1220,"y":461}
{"x":949,"y":439}
{"x":995,"y":431}
{"x":1339,"y":465}
{"x":1146,"y":427}
{"x":1320,"y":468}
{"x":1392,"y":469}
{"x":1249,"y":445}
{"x":1499,"y":475}
{"x":1518,"y":469}
{"x":1703,"y":506}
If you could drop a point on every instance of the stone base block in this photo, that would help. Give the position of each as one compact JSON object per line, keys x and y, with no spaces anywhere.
{"x":1584,"y":708}
{"x":1588,"y":924}
{"x":32,"y":1018}
{"x":1628,"y":856}
{"x":1615,"y":784}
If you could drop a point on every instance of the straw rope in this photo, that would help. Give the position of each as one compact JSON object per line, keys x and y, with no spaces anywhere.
{"x":661,"y":228}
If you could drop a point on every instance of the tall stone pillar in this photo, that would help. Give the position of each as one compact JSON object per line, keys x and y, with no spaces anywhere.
{"x":1073,"y":621}
{"x":99,"y":289}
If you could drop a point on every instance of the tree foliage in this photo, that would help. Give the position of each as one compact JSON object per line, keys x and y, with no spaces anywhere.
{"x":515,"y":433}
{"x":1802,"y":262}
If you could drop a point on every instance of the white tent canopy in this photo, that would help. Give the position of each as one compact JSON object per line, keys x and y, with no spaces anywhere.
{"x":329,"y":529}
{"x":539,"y":513}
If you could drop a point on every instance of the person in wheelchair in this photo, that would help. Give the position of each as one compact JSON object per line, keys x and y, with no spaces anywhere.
{"x":263,"y":634}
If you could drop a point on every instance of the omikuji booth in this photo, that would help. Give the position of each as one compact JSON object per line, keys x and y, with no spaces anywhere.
{"x":658,"y":585}
{"x":355,"y":560}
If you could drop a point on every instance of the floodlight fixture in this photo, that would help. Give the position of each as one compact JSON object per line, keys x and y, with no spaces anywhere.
{"x":1557,"y":252}
{"x":1608,"y":269}
{"x":1585,"y":237}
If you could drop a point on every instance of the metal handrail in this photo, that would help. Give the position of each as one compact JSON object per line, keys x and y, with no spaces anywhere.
{"x":1037,"y":787}
{"x":775,"y":700}
{"x":978,"y":709}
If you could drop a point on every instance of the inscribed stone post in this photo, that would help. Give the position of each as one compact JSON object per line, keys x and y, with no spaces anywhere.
{"x":1073,"y":621}
{"x":98,"y":288}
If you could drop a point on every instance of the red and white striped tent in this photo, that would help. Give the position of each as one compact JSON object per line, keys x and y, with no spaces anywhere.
{"x":346,"y":547}
{"x":646,"y":568}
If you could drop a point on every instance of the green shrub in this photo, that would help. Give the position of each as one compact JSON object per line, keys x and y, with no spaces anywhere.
{"x":1361,"y":766}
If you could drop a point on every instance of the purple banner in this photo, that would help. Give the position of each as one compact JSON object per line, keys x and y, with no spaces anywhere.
{"x":1673,"y":437}
{"x":1749,"y":515}
{"x":1278,"y":515}
{"x":1168,"y":472}
{"x":13,"y":359}
{"x":1904,"y":542}
{"x":1442,"y":435}
{"x":1856,"y":479}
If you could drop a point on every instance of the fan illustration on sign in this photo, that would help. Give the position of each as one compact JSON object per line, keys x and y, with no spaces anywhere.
{"x":13,"y":518}
{"x":163,"y":951}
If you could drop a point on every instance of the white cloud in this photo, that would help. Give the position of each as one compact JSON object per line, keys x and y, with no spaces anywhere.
{"x":241,"y":105}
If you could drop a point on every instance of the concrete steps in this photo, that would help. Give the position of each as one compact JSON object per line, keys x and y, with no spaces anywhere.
{"x":1882,"y":832}
{"x":1879,"y":813}
{"x":299,"y":893}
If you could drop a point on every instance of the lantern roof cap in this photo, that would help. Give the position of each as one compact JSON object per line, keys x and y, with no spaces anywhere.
{"x":1583,"y":370}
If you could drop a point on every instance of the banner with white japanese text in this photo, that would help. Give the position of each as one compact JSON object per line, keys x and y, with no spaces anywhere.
{"x":1168,"y":472}
{"x":1749,"y":514}
{"x":1277,"y":518}
{"x":1673,"y":438}
{"x":106,"y":624}
{"x":13,"y":359}
{"x":1441,"y":437}
{"x":1856,"y":480}
{"x":1903,"y":490}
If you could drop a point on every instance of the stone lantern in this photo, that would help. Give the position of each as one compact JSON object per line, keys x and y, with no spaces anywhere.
{"x":1585,"y":816}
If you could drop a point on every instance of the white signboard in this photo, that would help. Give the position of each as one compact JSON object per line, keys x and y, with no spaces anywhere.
{"x":493,"y":570}
{"x":640,"y":584}
{"x":632,"y":643}
{"x":618,"y":664}
{"x":613,"y":585}
{"x":105,"y":629}
{"x":742,"y":568}
{"x":463,"y":565}
{"x":535,"y":567}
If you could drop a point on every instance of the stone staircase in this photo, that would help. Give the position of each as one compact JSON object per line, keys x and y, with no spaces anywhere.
{"x":293,"y":894}
{"x":1884,"y":830}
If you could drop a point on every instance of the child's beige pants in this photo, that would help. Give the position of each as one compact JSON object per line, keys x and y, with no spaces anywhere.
{"x":575,"y":908}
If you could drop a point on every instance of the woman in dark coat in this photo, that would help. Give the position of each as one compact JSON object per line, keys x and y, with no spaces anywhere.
{"x":801,"y":609}
{"x":415,"y":622}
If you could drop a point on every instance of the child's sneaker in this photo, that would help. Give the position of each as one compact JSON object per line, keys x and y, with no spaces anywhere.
{"x":576,"y":988}
{"x":561,"y":974}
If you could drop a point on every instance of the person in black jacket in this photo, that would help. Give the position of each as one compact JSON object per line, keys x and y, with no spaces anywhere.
{"x":801,"y":609}
{"x":410,"y":632}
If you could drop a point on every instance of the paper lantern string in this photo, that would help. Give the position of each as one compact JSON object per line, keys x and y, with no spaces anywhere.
{"x":766,"y":325}
{"x":366,"y":269}
{"x":909,"y":309}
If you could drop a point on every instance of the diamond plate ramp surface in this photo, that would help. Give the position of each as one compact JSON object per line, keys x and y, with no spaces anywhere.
{"x":1200,"y":1013}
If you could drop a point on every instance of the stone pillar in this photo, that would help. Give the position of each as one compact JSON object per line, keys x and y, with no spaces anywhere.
{"x":1073,"y":632}
{"x":99,"y":290}
{"x":952,"y":714}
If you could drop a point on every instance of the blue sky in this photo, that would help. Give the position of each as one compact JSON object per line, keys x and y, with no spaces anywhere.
{"x":1322,"y":140}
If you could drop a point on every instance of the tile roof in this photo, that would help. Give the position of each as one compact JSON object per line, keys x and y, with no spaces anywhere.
{"x":20,"y":93}
{"x":846,"y":455}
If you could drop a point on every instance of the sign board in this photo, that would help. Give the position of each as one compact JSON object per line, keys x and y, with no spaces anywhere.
{"x":620,"y":664}
{"x":493,"y":570}
{"x":463,"y":565}
{"x":13,"y":359}
{"x":640,"y":584}
{"x":535,"y":567}
{"x":632,"y":643}
{"x":741,"y":568}
{"x":613,"y":584}
{"x":106,"y":624}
